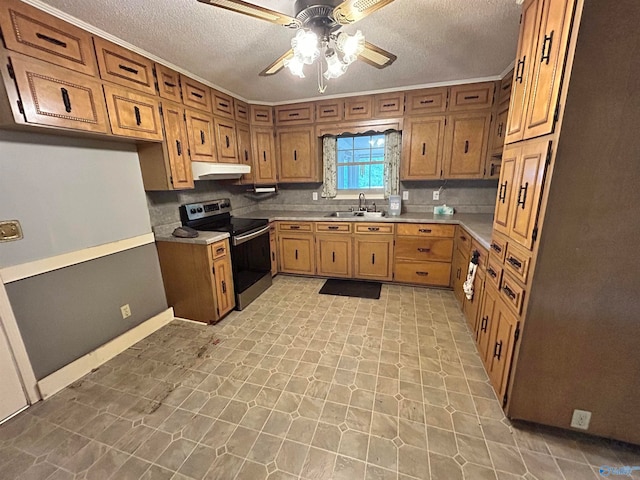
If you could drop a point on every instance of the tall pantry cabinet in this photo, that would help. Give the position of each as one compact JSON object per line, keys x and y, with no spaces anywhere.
{"x":562,"y":258}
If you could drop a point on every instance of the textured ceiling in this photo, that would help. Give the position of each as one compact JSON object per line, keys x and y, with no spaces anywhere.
{"x":435,"y":41}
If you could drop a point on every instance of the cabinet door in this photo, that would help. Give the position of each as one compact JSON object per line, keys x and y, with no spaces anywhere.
{"x":504,"y":200}
{"x":200,"y":133}
{"x":31,"y":31}
{"x":424,"y":249}
{"x":195,"y":94}
{"x":124,"y":67}
{"x":168,"y":83}
{"x":297,"y":155}
{"x":500,"y":348}
{"x":459,"y":274}
{"x":58,"y":97}
{"x":422,"y":146}
{"x":273,"y":244}
{"x":176,"y":138}
{"x":474,"y":96}
{"x":261,"y":115}
{"x":485,"y":324}
{"x":466,"y":141}
{"x":548,"y":62}
{"x":245,"y":152}
{"x":222,"y":104}
{"x":388,"y":105}
{"x":296,"y":254}
{"x":529,"y":24}
{"x":295,"y":114}
{"x":471,"y":307}
{"x":528,"y":189}
{"x":333,"y":255}
{"x":224,"y":285}
{"x":226,"y":143}
{"x":241,"y":110}
{"x":373,"y":254}
{"x":498,"y":131}
{"x":264,"y":156}
{"x":429,"y":100}
{"x":358,"y":108}
{"x":329,"y":110}
{"x":133,"y":114}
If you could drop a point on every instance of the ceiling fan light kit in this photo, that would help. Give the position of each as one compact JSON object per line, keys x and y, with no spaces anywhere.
{"x":317,"y":22}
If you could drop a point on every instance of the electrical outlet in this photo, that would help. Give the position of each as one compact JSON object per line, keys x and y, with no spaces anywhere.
{"x":436,"y":194}
{"x":125,"y":310}
{"x":405,"y":195}
{"x":581,"y":419}
{"x":315,"y":195}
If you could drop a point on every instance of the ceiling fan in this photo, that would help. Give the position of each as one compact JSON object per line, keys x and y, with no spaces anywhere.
{"x":318,"y":23}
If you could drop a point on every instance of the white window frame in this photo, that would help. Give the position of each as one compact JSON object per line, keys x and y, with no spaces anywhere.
{"x":353,"y":194}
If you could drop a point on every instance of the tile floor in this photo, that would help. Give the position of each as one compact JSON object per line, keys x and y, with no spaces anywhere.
{"x":298,"y":386}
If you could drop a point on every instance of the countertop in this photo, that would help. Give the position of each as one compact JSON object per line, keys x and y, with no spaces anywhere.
{"x":163,"y":234}
{"x":479,"y":225}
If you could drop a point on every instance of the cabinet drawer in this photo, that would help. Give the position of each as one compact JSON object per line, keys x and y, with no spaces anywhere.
{"x":389,"y":105}
{"x":428,"y":100}
{"x":512,"y":293}
{"x":168,"y":83}
{"x":374,"y":228}
{"x":295,"y":114}
{"x":484,"y":254}
{"x":35,"y":33}
{"x":426,"y":230}
{"x":424,"y":273}
{"x":219,"y":249}
{"x":295,"y":226}
{"x":498,"y":246}
{"x":517,"y":262}
{"x":261,"y":115}
{"x":494,"y":272}
{"x":195,"y":94}
{"x":222,"y":104}
{"x":123,"y":67}
{"x":132,"y":114}
{"x":358,"y":108}
{"x":475,"y":96}
{"x":424,"y":249}
{"x":241,"y":111}
{"x":463,"y":241}
{"x":330,"y":111}
{"x":337,"y":227}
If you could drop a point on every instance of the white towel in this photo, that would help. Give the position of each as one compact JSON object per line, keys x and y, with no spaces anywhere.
{"x":467,"y":287}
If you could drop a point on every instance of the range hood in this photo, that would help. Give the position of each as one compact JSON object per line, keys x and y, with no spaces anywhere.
{"x":218,"y":171}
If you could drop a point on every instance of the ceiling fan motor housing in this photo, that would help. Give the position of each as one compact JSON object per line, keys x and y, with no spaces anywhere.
{"x":317,"y":17}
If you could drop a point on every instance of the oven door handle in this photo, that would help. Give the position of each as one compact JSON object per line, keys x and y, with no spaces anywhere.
{"x":239,"y":240}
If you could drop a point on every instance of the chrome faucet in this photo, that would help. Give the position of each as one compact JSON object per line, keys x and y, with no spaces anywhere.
{"x":362,"y":202}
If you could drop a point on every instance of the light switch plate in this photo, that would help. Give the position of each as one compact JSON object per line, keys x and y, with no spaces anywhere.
{"x":405,"y":195}
{"x":315,"y":195}
{"x":10,"y":230}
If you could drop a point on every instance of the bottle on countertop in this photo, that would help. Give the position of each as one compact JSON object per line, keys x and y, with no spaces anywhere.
{"x":395,"y":205}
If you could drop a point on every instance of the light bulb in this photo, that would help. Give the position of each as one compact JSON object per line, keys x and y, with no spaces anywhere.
{"x":350,"y":45}
{"x":335,"y":68}
{"x":295,"y":65}
{"x":305,"y":46}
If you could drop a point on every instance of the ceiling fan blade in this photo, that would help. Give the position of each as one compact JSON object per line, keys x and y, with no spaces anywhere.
{"x":351,"y":11}
{"x":376,"y":56}
{"x":276,"y":66}
{"x":255,"y":11}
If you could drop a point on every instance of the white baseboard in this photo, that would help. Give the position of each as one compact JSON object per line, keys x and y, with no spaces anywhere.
{"x":79,"y":368}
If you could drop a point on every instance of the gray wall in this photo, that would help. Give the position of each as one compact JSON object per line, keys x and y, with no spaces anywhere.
{"x":67,"y":313}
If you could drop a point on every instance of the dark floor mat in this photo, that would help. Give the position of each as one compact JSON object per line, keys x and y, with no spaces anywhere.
{"x":351,"y":288}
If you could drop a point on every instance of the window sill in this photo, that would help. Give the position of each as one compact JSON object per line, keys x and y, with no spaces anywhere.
{"x":352,"y":196}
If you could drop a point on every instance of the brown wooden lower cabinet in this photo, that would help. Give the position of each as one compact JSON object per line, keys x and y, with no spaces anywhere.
{"x":296,"y":253}
{"x":333,"y":255}
{"x":459,"y":274}
{"x":273,"y":244}
{"x":423,"y":273}
{"x":471,"y":307}
{"x":373,"y":257}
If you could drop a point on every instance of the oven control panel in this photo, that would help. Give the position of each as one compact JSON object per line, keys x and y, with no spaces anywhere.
{"x":196,"y":211}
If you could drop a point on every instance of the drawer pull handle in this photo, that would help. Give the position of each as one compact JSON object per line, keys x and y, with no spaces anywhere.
{"x":55,"y":41}
{"x":472,"y":97}
{"x":422,"y":274}
{"x":424,"y":250}
{"x":246,"y":156}
{"x":463,"y":238}
{"x":179,"y":147}
{"x":373,"y":259}
{"x":223,"y":105}
{"x":500,"y":125}
{"x":510,"y":293}
{"x":515,"y":262}
{"x":66,"y":100}
{"x":264,"y":155}
{"x":261,"y":115}
{"x":389,"y":105}
{"x":333,"y":227}
{"x":424,"y":102}
{"x":296,"y":253}
{"x":224,"y":286}
{"x":497,"y":352}
{"x":496,"y":248}
{"x":328,"y":111}
{"x":273,"y":256}
{"x":201,"y":137}
{"x":424,"y":230}
{"x":136,"y":111}
{"x":374,"y":229}
{"x":424,"y":149}
{"x":294,"y":114}
{"x":520,"y":74}
{"x":458,"y":272}
{"x":226,"y":139}
{"x":197,"y":95}
{"x":493,"y":169}
{"x":483,"y":325}
{"x":242,"y":110}
{"x":492,"y":272}
{"x":466,"y":146}
{"x":523,"y":193}
{"x":295,"y":155}
{"x":502,"y":195}
{"x":358,"y":108}
{"x":169,"y":84}
{"x":128,"y":69}
{"x":546,"y":48}
{"x":294,"y":227}
{"x":333,"y":254}
{"x":220,"y":250}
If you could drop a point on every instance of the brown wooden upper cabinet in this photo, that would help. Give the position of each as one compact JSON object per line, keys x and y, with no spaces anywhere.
{"x":422,"y":148}
{"x":330,"y":110}
{"x":241,"y":111}
{"x":358,"y":108}
{"x":195,"y":94}
{"x":498,"y":131}
{"x":226,"y":144}
{"x":295,"y":114}
{"x":168,"y":83}
{"x":388,"y":105}
{"x":124,"y":67}
{"x":245,"y":152}
{"x":426,"y":101}
{"x":57,"y":97}
{"x":297,"y":155}
{"x":264,"y":155}
{"x":261,"y":115}
{"x":474,"y":96}
{"x":133,"y":114}
{"x":27,"y":30}
{"x":504,"y":91}
{"x":200,"y":132}
{"x":222,"y":104}
{"x":466,"y":141}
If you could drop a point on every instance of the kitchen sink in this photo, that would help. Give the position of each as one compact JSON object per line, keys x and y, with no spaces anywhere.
{"x":349,"y":214}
